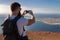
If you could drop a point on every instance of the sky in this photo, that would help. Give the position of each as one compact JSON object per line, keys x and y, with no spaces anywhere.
{"x":37,"y":6}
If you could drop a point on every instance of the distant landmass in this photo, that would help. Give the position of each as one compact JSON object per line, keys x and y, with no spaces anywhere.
{"x":51,"y":21}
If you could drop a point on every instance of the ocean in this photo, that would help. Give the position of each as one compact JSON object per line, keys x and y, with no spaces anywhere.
{"x":38,"y":25}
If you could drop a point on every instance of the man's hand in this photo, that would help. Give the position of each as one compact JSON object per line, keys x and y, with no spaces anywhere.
{"x":24,"y":13}
{"x":30,"y":11}
{"x":30,"y":21}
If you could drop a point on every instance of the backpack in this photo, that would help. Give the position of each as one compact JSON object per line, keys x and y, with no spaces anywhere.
{"x":10,"y":27}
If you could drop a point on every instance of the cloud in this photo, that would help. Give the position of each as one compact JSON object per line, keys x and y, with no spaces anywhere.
{"x":43,"y":10}
{"x":6,"y":9}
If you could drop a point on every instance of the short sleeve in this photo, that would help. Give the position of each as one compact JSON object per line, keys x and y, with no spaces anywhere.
{"x":25,"y":21}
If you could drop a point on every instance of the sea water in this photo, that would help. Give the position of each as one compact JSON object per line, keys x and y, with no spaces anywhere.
{"x":37,"y":26}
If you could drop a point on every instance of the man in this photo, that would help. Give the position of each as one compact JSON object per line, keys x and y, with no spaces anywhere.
{"x":15,"y":9}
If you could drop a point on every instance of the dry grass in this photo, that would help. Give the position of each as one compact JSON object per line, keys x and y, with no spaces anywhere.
{"x":41,"y":36}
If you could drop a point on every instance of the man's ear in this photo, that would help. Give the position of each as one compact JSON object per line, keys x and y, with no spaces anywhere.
{"x":20,"y":9}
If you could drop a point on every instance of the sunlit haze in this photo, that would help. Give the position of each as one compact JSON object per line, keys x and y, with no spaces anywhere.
{"x":38,"y":6}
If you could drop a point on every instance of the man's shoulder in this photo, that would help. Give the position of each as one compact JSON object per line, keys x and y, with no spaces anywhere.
{"x":21,"y":19}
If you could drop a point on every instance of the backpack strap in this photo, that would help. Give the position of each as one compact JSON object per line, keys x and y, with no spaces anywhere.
{"x":23,"y":31}
{"x":16,"y":19}
{"x":23,"y":26}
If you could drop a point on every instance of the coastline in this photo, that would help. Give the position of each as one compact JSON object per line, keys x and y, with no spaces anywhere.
{"x":50,"y":21}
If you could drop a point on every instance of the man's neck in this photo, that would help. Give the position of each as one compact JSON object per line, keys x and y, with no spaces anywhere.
{"x":14,"y":14}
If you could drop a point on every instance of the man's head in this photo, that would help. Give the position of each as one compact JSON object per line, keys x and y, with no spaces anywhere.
{"x":15,"y":7}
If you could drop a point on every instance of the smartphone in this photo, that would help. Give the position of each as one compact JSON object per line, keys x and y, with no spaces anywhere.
{"x":27,"y":11}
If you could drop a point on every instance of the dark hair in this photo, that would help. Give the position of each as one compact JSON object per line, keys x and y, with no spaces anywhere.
{"x":14,"y":6}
